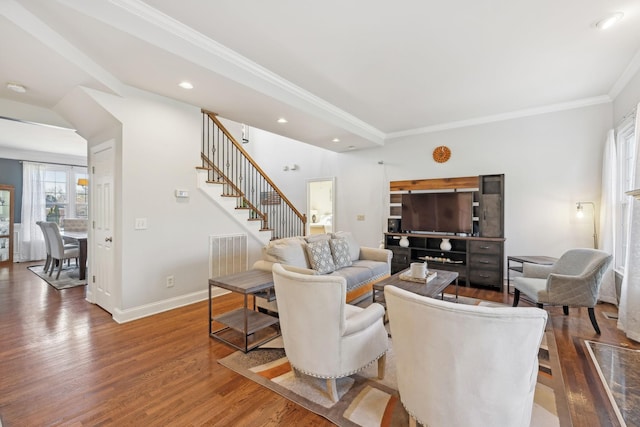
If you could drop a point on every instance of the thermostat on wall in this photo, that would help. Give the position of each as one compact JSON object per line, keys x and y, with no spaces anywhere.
{"x":182,"y":194}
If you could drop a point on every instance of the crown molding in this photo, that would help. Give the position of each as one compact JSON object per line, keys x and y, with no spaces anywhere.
{"x":626,"y":76}
{"x":586,"y":102}
{"x":142,"y":21}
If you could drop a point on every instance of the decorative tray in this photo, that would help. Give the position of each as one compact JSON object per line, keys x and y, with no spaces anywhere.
{"x":440,"y":259}
{"x":406,"y":275}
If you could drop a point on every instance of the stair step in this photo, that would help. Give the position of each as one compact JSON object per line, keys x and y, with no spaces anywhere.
{"x":204,"y":168}
{"x":231,"y":195}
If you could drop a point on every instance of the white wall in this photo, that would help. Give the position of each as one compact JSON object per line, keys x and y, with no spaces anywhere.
{"x":158,"y":153}
{"x":550,"y":161}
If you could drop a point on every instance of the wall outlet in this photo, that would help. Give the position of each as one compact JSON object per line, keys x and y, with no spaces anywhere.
{"x":360,"y":217}
{"x":170,"y":281}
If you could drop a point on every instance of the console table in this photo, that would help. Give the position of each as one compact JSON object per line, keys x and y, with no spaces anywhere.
{"x":245,"y":328}
{"x":521,"y":259}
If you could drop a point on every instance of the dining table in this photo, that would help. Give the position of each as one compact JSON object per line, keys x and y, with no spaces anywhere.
{"x":79,"y":237}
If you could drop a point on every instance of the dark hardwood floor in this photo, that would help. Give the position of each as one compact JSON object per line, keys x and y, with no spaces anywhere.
{"x":64,"y":361}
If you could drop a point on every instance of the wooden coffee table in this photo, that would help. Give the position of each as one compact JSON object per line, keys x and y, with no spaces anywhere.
{"x":431,"y":289}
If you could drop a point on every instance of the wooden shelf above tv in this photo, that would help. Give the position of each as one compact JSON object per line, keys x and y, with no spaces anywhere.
{"x":467,"y":182}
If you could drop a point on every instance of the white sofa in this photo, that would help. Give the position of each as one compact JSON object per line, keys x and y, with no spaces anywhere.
{"x":364,"y":266}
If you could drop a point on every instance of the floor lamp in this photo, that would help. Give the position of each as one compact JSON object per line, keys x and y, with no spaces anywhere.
{"x":580,"y":214}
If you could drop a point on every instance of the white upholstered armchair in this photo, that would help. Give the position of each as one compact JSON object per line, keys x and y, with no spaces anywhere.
{"x":572,"y":281}
{"x":323,"y":336}
{"x":464,"y":365}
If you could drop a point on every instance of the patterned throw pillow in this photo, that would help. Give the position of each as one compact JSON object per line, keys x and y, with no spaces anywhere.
{"x":340,"y":252}
{"x":320,"y":257}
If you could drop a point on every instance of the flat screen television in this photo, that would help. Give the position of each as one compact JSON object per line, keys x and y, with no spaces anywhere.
{"x":438,"y":212}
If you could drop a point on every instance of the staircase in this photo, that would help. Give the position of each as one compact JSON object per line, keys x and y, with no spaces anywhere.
{"x":235,"y":181}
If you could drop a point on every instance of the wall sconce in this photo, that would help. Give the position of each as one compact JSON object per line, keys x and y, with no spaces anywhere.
{"x":580,"y":214}
{"x":245,"y":134}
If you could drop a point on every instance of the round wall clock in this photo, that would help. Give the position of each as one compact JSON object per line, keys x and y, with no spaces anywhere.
{"x":441,"y":154}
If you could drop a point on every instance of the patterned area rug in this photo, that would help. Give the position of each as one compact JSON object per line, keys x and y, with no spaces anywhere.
{"x":367,"y":401}
{"x":69,"y":277}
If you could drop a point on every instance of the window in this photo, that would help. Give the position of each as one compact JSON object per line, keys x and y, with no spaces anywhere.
{"x":66,"y":192}
{"x":82,"y":202}
{"x":625,"y":142}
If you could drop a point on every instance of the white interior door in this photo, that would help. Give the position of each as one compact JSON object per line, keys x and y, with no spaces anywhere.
{"x":102,"y":216}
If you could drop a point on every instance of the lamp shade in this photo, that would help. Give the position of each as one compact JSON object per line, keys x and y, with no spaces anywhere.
{"x":83,"y":181}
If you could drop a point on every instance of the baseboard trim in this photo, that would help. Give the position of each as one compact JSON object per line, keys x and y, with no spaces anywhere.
{"x":123,"y":316}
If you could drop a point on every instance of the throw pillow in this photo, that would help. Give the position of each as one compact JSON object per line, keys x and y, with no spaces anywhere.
{"x":315,"y":237}
{"x":340,"y":252}
{"x":320,"y":257}
{"x":354,"y":247}
{"x":289,"y":251}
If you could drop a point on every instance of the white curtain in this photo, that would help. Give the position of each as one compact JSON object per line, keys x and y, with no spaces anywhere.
{"x":607,"y":233}
{"x":33,"y":209}
{"x":629,"y":310}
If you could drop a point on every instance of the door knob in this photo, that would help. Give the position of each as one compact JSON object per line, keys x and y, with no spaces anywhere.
{"x":108,"y":239}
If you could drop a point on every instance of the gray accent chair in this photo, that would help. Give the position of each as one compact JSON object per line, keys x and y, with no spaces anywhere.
{"x":573,"y":281}
{"x":325,"y":337}
{"x":464,"y":365}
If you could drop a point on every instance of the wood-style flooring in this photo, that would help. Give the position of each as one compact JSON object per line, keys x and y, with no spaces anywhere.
{"x":64,"y":361}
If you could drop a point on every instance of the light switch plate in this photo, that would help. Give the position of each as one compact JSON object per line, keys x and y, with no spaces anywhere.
{"x":141,"y":224}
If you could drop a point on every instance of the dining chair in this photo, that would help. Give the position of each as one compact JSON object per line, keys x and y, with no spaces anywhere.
{"x":59,"y":251}
{"x":47,"y":244}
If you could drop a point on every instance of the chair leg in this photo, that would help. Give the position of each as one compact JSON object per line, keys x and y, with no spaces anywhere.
{"x":59,"y":269}
{"x":592,"y":316}
{"x":332,"y":389}
{"x":382,"y":363}
{"x":46,"y":263}
{"x":516,"y":296}
{"x":565,"y":310}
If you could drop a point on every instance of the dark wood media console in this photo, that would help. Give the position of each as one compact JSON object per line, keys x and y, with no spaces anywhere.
{"x":478,"y":258}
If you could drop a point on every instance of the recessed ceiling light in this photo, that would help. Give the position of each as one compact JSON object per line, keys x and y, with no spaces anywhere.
{"x":282,"y":120}
{"x":335,"y":140}
{"x":16,"y":87}
{"x":186,"y":85}
{"x":609,"y":21}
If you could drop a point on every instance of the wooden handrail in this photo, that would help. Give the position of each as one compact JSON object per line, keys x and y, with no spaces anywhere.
{"x":228,"y":163}
{"x":213,"y":117}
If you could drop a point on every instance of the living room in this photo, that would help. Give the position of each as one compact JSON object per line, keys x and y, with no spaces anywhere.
{"x":551,"y":158}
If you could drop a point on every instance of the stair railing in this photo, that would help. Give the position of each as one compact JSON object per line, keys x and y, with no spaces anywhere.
{"x":230,"y":165}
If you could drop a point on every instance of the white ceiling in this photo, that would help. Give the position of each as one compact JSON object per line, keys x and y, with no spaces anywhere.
{"x":364,"y":71}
